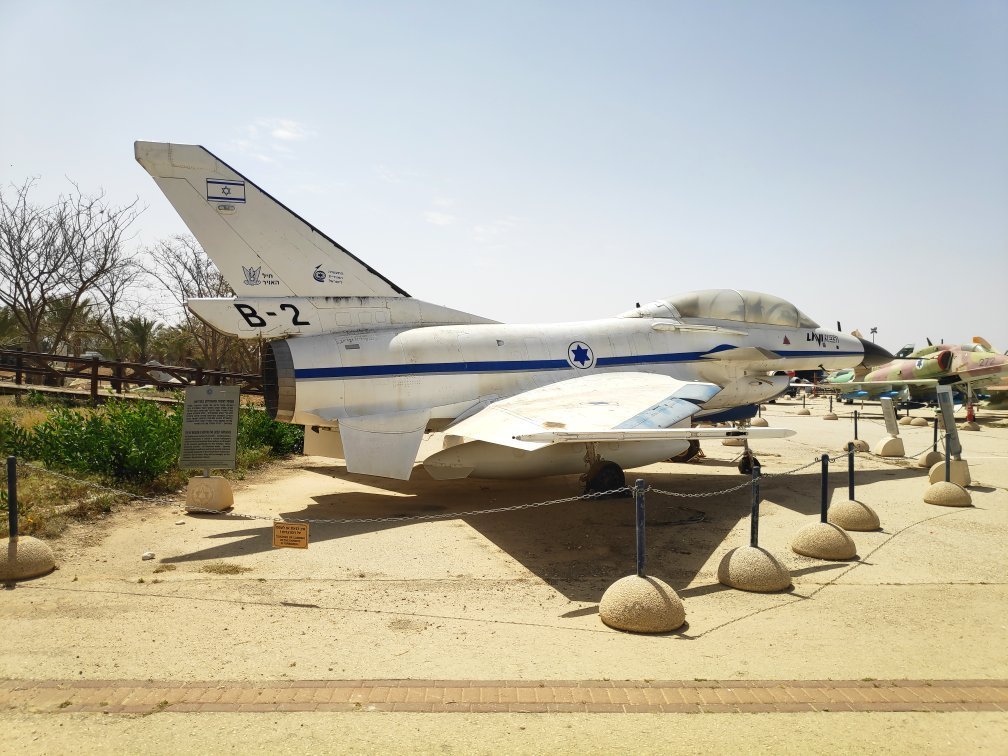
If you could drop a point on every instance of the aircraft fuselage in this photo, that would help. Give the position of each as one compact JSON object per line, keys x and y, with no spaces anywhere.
{"x":449,"y":368}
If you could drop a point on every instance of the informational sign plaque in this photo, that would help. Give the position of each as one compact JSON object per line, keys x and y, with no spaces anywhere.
{"x":948,"y":418}
{"x":210,"y":428}
{"x":290,"y":535}
{"x":889,"y":413}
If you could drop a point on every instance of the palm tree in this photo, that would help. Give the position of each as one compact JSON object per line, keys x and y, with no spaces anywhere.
{"x":140,"y":334}
{"x":10,"y":330}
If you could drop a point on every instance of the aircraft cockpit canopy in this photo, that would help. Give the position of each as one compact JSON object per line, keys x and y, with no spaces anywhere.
{"x":729,"y":304}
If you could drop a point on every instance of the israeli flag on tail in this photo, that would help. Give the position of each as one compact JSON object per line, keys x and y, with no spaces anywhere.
{"x":226,"y":191}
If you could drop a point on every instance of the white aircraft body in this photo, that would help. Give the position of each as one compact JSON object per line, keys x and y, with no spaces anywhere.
{"x":384,"y":380}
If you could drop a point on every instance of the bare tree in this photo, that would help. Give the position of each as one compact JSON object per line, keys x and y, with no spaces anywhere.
{"x":58,"y":253}
{"x":186,"y":272}
{"x":111,"y":309}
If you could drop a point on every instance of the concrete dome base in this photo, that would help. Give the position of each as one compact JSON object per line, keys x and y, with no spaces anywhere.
{"x":905,"y":420}
{"x":929,"y":459}
{"x":759,"y":422}
{"x":641,"y":605}
{"x":823,"y":540}
{"x":969,"y":426}
{"x":734,"y":441}
{"x":829,"y":416}
{"x":853,"y":515}
{"x":958,"y":472}
{"x":920,"y":422}
{"x":750,"y":568}
{"x":947,"y":495}
{"x":213,"y":493}
{"x":25,"y":557}
{"x":890,"y":446}
{"x":803,"y":412}
{"x":860,"y":445}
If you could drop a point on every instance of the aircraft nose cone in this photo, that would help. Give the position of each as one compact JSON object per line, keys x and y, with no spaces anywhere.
{"x":874,"y":355}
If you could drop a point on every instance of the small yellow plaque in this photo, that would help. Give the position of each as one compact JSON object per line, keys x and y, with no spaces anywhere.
{"x":290,"y":535}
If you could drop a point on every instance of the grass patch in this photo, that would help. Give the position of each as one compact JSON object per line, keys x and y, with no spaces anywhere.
{"x":47,"y":504}
{"x":165,"y":568}
{"x":224,"y":568}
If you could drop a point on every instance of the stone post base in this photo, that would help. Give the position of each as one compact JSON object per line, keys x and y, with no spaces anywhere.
{"x":210,"y":493}
{"x":958,"y":472}
{"x":823,"y":540}
{"x":25,"y":557}
{"x":890,"y":446}
{"x":750,"y":568}
{"x":642,"y":605}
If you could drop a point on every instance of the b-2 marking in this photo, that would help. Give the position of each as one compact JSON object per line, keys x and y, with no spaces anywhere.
{"x":255,"y":320}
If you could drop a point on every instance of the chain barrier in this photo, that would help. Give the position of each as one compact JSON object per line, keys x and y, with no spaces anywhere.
{"x":159,"y":500}
{"x":344,"y":521}
{"x":418,"y":518}
{"x":170,"y":500}
{"x":941,"y":442}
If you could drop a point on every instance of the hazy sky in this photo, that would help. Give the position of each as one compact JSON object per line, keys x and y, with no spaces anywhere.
{"x":563,"y":160}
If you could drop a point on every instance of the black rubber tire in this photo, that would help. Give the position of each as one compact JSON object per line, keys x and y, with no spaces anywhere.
{"x":608,"y":477}
{"x":745,"y":464}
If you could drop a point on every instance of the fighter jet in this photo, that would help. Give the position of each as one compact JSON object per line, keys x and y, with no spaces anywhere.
{"x":384,"y":380}
{"x":964,"y":367}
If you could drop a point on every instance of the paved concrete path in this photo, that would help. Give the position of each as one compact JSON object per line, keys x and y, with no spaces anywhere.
{"x":527,"y":696}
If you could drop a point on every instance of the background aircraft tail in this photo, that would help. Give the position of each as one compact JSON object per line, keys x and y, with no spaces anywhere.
{"x":260,"y":246}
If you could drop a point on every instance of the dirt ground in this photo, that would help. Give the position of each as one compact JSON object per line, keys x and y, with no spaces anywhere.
{"x":514,"y":596}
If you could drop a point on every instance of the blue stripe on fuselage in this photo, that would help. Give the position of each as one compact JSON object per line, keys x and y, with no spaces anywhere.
{"x":511,"y":366}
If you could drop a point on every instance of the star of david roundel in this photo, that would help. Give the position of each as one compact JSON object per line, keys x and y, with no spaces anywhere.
{"x":580,"y":355}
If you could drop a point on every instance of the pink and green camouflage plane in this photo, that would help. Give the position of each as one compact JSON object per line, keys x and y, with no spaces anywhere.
{"x":964,"y":367}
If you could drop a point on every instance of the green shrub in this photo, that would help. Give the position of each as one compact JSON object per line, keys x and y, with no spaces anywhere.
{"x":14,"y":439}
{"x":134,"y":441}
{"x":256,"y":429}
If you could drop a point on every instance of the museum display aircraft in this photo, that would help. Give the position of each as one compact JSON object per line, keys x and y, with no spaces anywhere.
{"x":384,"y":380}
{"x":963,"y":367}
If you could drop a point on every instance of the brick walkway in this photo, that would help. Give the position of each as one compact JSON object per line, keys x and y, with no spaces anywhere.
{"x":141,"y":697}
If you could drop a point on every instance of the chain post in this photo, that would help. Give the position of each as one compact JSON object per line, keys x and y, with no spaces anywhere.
{"x":934,"y":443}
{"x":825,"y":488}
{"x":855,"y":425}
{"x":754,"y":516}
{"x":803,"y":400}
{"x":639,"y":489}
{"x":831,"y":403}
{"x":12,"y":504}
{"x":850,"y":470}
{"x":948,"y":463}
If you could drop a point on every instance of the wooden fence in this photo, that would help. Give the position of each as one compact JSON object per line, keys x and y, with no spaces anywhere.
{"x":55,"y":371}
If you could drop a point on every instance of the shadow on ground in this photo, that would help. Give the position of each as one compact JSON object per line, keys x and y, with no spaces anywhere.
{"x":579,"y":548}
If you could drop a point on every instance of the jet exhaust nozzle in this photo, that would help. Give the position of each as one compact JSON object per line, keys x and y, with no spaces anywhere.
{"x":875,"y":355}
{"x":278,"y":381}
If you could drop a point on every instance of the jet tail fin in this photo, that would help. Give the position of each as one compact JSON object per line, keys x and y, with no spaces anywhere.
{"x":260,"y":246}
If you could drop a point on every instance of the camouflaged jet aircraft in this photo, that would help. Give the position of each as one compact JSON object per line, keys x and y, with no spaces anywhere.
{"x":383,"y":380}
{"x":964,"y":367}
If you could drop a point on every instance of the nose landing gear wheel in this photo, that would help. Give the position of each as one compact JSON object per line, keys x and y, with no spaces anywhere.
{"x":745,"y":464}
{"x":605,"y":476}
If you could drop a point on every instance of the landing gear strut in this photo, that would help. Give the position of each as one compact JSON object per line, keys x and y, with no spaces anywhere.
{"x":692,"y":452}
{"x":748,"y":459}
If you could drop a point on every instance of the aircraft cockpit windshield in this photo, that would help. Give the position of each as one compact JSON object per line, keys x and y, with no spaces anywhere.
{"x":743,"y":306}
